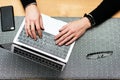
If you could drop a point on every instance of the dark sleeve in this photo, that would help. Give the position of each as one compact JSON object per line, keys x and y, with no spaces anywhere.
{"x":105,"y":10}
{"x":26,"y":2}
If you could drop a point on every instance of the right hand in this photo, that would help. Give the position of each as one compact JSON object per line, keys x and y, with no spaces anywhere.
{"x":72,"y":31}
{"x":33,"y":21}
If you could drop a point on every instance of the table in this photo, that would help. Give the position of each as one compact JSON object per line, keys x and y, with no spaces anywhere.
{"x":105,"y":37}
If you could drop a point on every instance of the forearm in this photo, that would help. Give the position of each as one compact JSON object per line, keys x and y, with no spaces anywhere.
{"x":25,"y":3}
{"x":105,"y":10}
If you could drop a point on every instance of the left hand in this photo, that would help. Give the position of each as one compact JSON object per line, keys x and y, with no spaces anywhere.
{"x":72,"y":31}
{"x":33,"y":21}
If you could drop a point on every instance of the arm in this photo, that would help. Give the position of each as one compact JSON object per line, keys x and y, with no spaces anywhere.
{"x":105,"y":10}
{"x":73,"y":30}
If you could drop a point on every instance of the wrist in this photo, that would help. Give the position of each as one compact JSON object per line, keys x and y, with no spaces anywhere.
{"x":91,"y":19}
{"x":31,"y":8}
{"x":31,"y":4}
{"x":87,"y":22}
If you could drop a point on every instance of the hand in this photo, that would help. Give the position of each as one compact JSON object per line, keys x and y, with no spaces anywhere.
{"x":72,"y":31}
{"x":33,"y":22}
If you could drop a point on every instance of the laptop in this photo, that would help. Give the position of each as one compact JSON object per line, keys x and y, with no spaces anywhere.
{"x":44,"y":50}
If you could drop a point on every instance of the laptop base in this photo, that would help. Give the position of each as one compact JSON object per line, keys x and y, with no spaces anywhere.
{"x":42,"y":59}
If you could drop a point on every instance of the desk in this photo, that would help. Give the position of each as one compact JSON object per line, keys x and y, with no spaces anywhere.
{"x":105,"y":37}
{"x":61,"y":8}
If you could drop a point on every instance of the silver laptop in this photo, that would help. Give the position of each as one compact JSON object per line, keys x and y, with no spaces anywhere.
{"x":44,"y":50}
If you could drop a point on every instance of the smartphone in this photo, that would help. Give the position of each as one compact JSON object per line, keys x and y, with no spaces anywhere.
{"x":7,"y":18}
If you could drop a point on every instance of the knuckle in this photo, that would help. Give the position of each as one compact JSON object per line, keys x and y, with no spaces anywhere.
{"x":32,"y":30}
{"x":29,"y":30}
{"x":76,"y":36}
{"x":72,"y":31}
{"x":38,"y":28}
{"x":33,"y":19}
{"x":67,"y":39}
{"x":64,"y":37}
{"x":61,"y":33}
{"x":26,"y":26}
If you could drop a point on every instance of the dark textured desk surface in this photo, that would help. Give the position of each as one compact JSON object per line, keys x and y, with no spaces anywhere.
{"x":105,"y":37}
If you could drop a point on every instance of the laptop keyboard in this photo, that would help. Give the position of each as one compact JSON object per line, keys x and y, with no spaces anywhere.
{"x":46,"y":44}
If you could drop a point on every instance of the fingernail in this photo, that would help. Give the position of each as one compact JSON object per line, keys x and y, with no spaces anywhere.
{"x":66,"y":44}
{"x":27,"y":35}
{"x":56,"y":43}
{"x":60,"y":44}
{"x":35,"y":39}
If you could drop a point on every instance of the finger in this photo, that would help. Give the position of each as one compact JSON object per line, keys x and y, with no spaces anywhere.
{"x":67,"y":39}
{"x":71,"y":41}
{"x":28,"y":29}
{"x":75,"y":38}
{"x":33,"y":30}
{"x":38,"y":28}
{"x":41,"y":23}
{"x":62,"y":38}
{"x":61,"y":34}
{"x":26,"y":25}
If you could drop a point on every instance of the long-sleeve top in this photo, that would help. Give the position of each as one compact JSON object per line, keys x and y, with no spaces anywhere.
{"x":104,"y":11}
{"x":27,"y":2}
